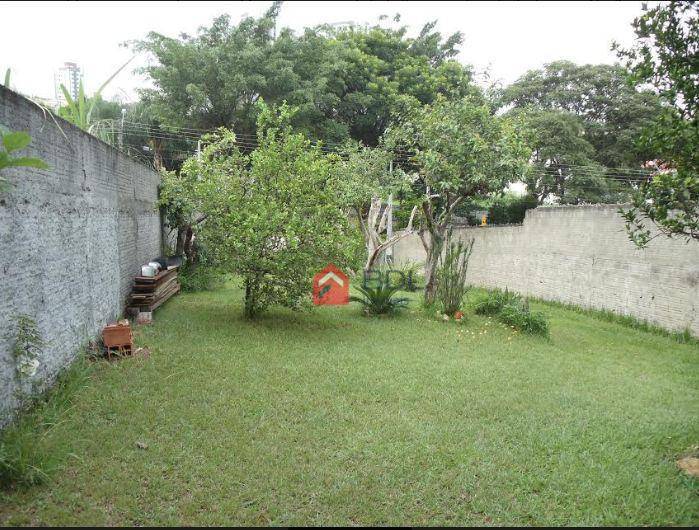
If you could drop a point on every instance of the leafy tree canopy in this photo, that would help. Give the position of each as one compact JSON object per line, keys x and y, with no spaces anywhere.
{"x":563,"y":160}
{"x":666,"y":56}
{"x":613,"y":112}
{"x":273,"y":217}
{"x":490,"y":152}
{"x":345,"y":82}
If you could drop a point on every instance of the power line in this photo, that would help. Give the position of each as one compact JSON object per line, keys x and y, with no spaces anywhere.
{"x":248,"y":141}
{"x":194,"y":133}
{"x":250,"y":144}
{"x":197,"y":133}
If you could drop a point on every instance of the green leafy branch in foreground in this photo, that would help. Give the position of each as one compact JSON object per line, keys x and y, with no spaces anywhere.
{"x":664,"y":56}
{"x":11,"y":141}
{"x":671,"y":202}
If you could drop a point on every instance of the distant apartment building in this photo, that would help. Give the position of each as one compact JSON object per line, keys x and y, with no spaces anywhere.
{"x":69,"y":76}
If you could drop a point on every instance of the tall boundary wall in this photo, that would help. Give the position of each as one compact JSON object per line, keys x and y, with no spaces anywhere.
{"x":71,"y":240}
{"x":581,"y":255}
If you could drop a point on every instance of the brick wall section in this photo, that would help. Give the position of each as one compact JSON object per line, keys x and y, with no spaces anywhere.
{"x":71,"y":238}
{"x":581,"y":255}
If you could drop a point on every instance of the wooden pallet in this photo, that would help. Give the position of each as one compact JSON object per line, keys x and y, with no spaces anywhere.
{"x":154,"y":292}
{"x":150,"y":305}
{"x":150,"y":293}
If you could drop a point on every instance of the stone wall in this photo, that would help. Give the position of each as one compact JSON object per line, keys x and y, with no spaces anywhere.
{"x":71,"y":238}
{"x":581,"y":255}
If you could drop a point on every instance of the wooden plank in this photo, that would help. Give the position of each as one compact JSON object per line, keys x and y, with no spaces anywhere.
{"x":154,"y":279}
{"x":151,"y":305}
{"x":150,"y":292}
{"x":165,"y":298}
{"x":155,"y":291}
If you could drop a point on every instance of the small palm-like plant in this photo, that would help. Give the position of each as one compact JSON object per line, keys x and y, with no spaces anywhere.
{"x":380,"y":299}
{"x":79,"y":111}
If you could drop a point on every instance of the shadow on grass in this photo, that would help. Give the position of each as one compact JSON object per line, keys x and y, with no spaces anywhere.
{"x":223,"y":307}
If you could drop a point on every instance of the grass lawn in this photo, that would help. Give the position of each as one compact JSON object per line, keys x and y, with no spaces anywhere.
{"x":332,"y":418}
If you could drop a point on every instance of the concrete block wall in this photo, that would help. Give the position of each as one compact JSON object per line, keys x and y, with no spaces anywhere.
{"x":71,"y":239}
{"x":581,"y":255}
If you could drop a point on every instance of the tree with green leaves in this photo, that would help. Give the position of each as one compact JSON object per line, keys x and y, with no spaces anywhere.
{"x":176,"y":194}
{"x":612,"y":112}
{"x":345,"y":82}
{"x":379,"y":69}
{"x":563,"y":160}
{"x":273,"y":217}
{"x":666,"y":56}
{"x":365,"y":180}
{"x":214,"y":78}
{"x":461,"y":150}
{"x":11,"y":141}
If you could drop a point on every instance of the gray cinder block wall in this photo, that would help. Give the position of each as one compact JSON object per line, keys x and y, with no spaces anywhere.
{"x":71,"y":239}
{"x":581,"y":255}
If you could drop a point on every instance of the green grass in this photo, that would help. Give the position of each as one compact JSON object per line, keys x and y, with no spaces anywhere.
{"x":24,"y":459}
{"x":333,"y":418}
{"x":683,"y":337}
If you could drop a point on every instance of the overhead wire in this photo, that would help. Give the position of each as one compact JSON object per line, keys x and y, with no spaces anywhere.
{"x":249,"y":141}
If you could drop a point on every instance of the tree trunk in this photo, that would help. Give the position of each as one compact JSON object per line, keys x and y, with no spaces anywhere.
{"x":433,"y":248}
{"x":372,"y":228}
{"x":372,"y":253}
{"x":188,"y":247}
{"x":251,"y":309}
{"x":179,"y":245}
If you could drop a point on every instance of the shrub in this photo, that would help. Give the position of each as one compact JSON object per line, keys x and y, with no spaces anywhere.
{"x":200,"y":278}
{"x":492,"y":302}
{"x":451,"y":276}
{"x":380,"y":299}
{"x":520,"y":317}
{"x":511,"y":309}
{"x":510,"y":209}
{"x":413,"y":276}
{"x":505,"y":209}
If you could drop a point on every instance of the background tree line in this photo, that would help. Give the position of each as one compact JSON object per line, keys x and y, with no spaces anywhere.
{"x":352,"y":82}
{"x":366,"y":84}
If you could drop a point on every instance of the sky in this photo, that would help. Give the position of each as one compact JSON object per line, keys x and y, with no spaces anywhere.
{"x":504,"y":39}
